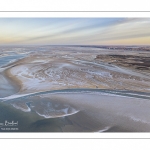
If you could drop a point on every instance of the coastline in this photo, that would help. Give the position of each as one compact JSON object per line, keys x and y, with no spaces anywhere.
{"x":8,"y":85}
{"x":12,"y":80}
{"x":87,"y":95}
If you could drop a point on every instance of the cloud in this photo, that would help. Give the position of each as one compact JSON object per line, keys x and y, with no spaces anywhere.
{"x":73,"y":30}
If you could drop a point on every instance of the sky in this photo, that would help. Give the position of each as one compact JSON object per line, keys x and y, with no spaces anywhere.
{"x":74,"y":31}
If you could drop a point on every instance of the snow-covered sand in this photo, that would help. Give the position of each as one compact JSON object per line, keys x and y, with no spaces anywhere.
{"x":41,"y":73}
{"x":68,"y":69}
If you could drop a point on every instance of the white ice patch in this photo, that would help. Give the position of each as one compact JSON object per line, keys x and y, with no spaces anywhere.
{"x":40,"y":60}
{"x":136,"y":119}
{"x":105,"y":129}
{"x":57,"y":116}
{"x":17,"y":107}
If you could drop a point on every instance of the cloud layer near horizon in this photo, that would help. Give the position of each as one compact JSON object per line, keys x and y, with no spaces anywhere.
{"x":72,"y":31}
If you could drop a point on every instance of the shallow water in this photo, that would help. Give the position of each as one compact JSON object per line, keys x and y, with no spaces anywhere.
{"x":89,"y":110}
{"x":6,"y":85}
{"x":8,"y":59}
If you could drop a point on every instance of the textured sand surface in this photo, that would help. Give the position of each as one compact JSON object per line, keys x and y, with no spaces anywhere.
{"x":64,"y":70}
{"x":59,"y":68}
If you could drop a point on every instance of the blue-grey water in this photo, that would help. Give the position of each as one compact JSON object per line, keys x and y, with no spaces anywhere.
{"x":126,"y":93}
{"x":7,"y":59}
{"x":6,"y":86}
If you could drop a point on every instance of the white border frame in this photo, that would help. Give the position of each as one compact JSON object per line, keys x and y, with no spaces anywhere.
{"x":73,"y":14}
{"x":64,"y":14}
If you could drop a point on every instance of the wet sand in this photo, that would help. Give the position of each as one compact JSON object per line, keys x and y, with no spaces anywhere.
{"x":89,"y":111}
{"x":28,"y":122}
{"x":8,"y":86}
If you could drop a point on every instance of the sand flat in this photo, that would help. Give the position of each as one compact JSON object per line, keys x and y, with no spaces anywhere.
{"x":83,"y":68}
{"x":41,"y":73}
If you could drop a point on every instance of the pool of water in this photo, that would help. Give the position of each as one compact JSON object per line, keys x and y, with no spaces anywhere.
{"x":7,"y":59}
{"x":6,"y":86}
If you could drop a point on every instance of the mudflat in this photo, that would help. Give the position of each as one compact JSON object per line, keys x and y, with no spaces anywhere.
{"x":81,"y":89}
